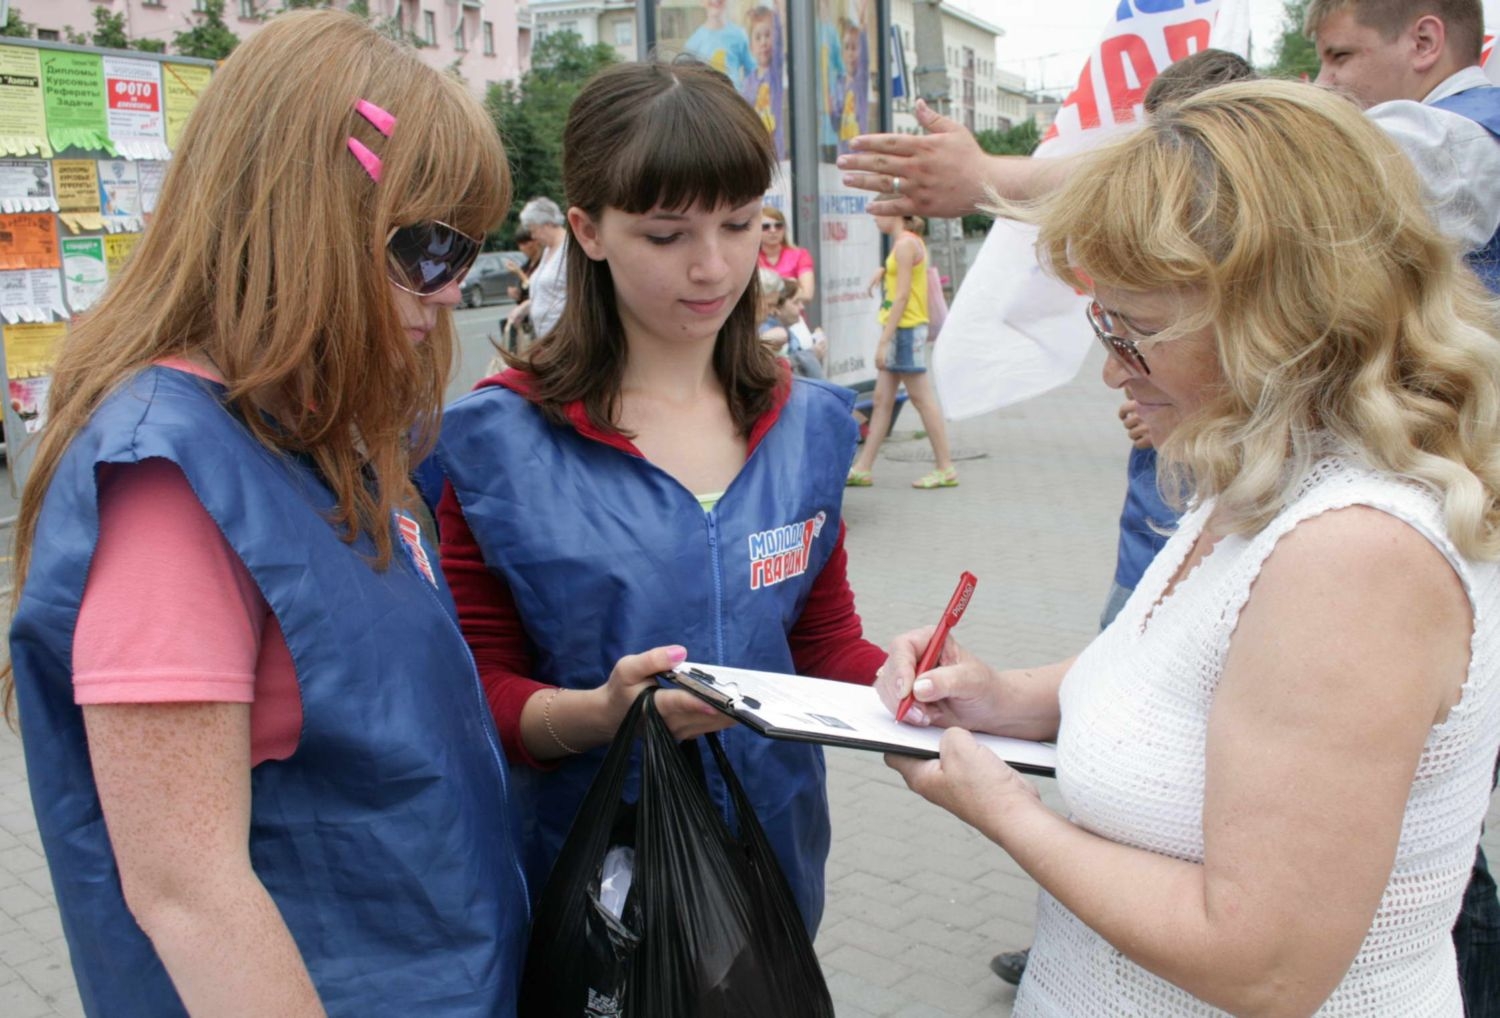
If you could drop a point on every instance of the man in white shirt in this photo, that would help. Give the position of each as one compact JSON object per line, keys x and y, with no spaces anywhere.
{"x":1414,"y":66}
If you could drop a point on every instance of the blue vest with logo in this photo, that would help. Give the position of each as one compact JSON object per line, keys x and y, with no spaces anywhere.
{"x":608,"y":555}
{"x":387,"y":839}
{"x":1481,"y":105}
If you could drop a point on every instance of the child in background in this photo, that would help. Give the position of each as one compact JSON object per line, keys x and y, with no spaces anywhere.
{"x":804,"y":347}
{"x":772,"y":330}
{"x":762,"y":87}
{"x":721,"y":44}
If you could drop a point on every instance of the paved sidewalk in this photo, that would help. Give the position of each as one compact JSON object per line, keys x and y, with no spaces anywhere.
{"x":917,"y":902}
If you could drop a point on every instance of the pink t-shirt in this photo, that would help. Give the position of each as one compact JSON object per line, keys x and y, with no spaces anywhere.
{"x":170,"y":614}
{"x":792,"y":262}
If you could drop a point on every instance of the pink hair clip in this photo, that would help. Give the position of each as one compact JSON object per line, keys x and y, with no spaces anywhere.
{"x":383,"y":122}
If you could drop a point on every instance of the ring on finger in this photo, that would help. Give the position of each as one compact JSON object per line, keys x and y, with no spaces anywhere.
{"x":895,"y":185}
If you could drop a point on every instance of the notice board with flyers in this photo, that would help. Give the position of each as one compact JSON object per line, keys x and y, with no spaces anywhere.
{"x":85,"y":137}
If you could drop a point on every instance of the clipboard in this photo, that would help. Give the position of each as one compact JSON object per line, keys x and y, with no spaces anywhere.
{"x":802,"y":709}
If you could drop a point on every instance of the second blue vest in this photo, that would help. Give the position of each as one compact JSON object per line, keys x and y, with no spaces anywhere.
{"x":608,"y":555}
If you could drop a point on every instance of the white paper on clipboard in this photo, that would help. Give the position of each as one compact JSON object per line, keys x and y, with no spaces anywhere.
{"x":835,"y":714}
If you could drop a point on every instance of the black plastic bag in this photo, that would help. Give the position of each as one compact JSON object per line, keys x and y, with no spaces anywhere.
{"x":709,"y":928}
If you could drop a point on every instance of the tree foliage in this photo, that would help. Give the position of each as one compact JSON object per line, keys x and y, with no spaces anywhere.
{"x":210,"y":38}
{"x":530,"y":115}
{"x":109,"y":29}
{"x":1020,"y":140}
{"x":1296,"y":55}
{"x":14,"y":26}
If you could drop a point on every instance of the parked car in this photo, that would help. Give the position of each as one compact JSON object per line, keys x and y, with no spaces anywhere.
{"x":490,"y":279}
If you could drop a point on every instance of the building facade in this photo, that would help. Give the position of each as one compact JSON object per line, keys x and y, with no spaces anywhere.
{"x":977,"y":96}
{"x":485,"y":41}
{"x":612,"y":22}
{"x":1012,"y":100}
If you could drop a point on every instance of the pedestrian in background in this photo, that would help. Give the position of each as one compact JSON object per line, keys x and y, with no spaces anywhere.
{"x":531,"y":250}
{"x":257,"y":748}
{"x":649,"y":483}
{"x":544,"y":221}
{"x":771,"y":330}
{"x":1276,"y":761}
{"x":782,"y":328}
{"x":901,"y":354}
{"x":779,"y":253}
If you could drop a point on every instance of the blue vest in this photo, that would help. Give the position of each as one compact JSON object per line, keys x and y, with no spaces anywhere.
{"x":387,"y":839}
{"x":1481,"y":105}
{"x":1139,"y":542}
{"x":608,"y":555}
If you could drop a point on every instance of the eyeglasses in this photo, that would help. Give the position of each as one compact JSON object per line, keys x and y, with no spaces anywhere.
{"x":425,"y":257}
{"x":1123,"y":349}
{"x":771,"y":224}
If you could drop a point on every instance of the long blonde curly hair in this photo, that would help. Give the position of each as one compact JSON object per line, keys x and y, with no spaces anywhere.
{"x":1338,"y":309}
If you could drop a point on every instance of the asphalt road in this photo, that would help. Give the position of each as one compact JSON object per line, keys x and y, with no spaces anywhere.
{"x":476,"y":327}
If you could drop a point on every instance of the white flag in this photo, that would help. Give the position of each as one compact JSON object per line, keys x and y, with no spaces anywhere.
{"x":1487,"y":58}
{"x":1013,"y":332}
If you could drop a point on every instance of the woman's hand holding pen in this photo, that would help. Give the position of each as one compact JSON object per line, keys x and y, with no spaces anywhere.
{"x":964,"y":692}
{"x":959,"y":693}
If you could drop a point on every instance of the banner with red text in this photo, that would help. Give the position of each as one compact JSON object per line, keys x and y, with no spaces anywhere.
{"x":1014,"y":332}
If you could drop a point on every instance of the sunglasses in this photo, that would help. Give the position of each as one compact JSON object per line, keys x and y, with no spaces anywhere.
{"x":1125,"y":350}
{"x":771,"y":224}
{"x":425,"y":257}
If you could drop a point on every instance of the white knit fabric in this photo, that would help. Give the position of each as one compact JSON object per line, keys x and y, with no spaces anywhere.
{"x":1130,"y":767}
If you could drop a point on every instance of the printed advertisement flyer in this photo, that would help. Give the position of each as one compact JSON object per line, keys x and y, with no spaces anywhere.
{"x":31,"y":347}
{"x":181,"y":86}
{"x":73,"y":94}
{"x":26,"y":186}
{"x":117,"y":250}
{"x":28,"y":240}
{"x":28,"y":400}
{"x":23,"y":118}
{"x":84,"y":274}
{"x":133,"y":99}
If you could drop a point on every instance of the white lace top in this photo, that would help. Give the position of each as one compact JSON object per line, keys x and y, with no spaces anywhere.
{"x":1130,"y":767}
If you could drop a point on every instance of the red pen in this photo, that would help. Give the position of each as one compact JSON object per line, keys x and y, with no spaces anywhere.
{"x":955,"y":611}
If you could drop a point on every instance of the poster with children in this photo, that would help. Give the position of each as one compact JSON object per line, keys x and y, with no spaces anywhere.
{"x":746,"y":39}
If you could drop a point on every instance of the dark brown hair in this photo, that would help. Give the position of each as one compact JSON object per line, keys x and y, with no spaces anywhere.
{"x":642,"y":136}
{"x":1197,"y":73}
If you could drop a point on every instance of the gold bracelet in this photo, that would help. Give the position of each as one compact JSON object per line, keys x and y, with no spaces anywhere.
{"x":547,"y":720}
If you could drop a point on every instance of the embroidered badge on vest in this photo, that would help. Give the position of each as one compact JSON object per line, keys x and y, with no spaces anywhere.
{"x":781,"y":553}
{"x":411,"y":536}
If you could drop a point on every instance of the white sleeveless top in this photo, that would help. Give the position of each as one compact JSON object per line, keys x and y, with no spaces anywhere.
{"x":1130,"y":766}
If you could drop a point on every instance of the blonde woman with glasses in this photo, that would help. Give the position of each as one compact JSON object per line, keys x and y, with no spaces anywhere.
{"x":1276,"y":760}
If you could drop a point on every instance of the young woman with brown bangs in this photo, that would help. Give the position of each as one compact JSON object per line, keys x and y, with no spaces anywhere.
{"x":648,"y":482}
{"x":258,"y":751}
